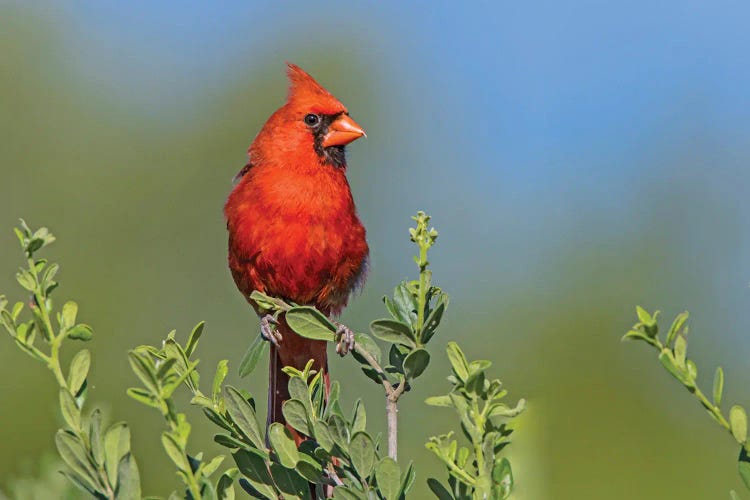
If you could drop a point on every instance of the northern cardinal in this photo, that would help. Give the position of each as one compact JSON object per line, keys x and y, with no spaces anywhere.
{"x":293,"y":227}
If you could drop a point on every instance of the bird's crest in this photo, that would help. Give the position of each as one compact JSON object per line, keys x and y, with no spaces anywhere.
{"x":304,"y":89}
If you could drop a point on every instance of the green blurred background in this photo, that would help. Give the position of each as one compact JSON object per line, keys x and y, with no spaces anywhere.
{"x":577,"y":158}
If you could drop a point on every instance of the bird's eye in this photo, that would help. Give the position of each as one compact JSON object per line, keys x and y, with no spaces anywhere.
{"x":312,"y":119}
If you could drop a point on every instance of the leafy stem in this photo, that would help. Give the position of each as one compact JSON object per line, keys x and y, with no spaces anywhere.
{"x":161,"y":372}
{"x":98,"y":462}
{"x":673,"y":356}
{"x":479,"y":471}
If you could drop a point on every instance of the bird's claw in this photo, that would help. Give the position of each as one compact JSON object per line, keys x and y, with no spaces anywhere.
{"x":345,"y":338}
{"x":268,"y":329}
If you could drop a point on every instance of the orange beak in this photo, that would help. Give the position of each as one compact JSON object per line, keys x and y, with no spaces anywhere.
{"x":342,"y":131}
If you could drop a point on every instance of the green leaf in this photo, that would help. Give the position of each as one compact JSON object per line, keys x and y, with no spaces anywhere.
{"x":333,"y":400}
{"x":372,"y":374}
{"x":479,"y":365}
{"x":243,"y":415}
{"x":416,"y":363}
{"x":677,"y":324}
{"x":345,"y":493}
{"x":433,"y":320}
{"x":291,"y":484}
{"x":95,"y":436}
{"x":70,"y":412}
{"x":643,"y":315}
{"x":393,"y":331}
{"x":667,"y":360}
{"x":283,"y":444}
{"x":738,"y":423}
{"x":175,"y":451}
{"x":718,"y":385}
{"x":405,"y":303}
{"x":407,"y":480}
{"x":230,"y":442}
{"x":82,"y":483}
{"x":48,"y":278}
{"x":17,"y":307}
{"x":128,"y":479}
{"x":263,"y":301}
{"x":69,"y":313}
{"x":217,"y":419}
{"x":8,"y":323}
{"x":212,"y":465}
{"x":359,"y":417}
{"x":298,"y":390}
{"x":391,"y":308}
{"x":79,"y":370}
{"x":80,"y":332}
{"x":74,"y":454}
{"x":21,"y":237}
{"x":310,"y":323}
{"x":680,"y":351}
{"x":254,"y":468}
{"x":362,"y":453}
{"x":309,"y":468}
{"x":224,"y":488}
{"x":143,"y":396}
{"x":388,"y":476}
{"x":195,"y":335}
{"x":252,"y":356}
{"x":26,"y":280}
{"x":502,"y":475}
{"x":116,"y":446}
{"x":366,"y":343}
{"x":339,"y":431}
{"x":438,"y":489}
{"x":501,"y":410}
{"x":296,"y":415}
{"x":222,"y":369}
{"x":458,"y":361}
{"x":144,"y":368}
{"x":164,"y":366}
{"x":322,"y":435}
{"x":439,"y":401}
{"x":743,"y":464}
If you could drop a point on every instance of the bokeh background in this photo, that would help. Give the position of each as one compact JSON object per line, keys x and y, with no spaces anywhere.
{"x":578,"y":158}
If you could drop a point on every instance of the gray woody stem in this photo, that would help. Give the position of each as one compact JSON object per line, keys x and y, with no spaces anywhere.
{"x":391,"y":401}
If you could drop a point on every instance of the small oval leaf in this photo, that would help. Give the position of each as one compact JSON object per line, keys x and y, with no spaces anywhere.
{"x":296,"y":415}
{"x":243,"y":415}
{"x":388,"y":475}
{"x":79,"y":370}
{"x":393,"y":331}
{"x":718,"y":385}
{"x":738,"y":423}
{"x":310,"y":323}
{"x":362,"y":453}
{"x":283,"y":444}
{"x":416,"y":363}
{"x":252,"y":356}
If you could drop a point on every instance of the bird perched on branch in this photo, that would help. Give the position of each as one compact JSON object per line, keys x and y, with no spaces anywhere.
{"x":293,"y":227}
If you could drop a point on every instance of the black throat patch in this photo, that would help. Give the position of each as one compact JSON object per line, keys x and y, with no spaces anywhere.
{"x":332,"y":155}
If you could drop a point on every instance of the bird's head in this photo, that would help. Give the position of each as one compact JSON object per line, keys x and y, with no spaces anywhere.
{"x":311,"y":121}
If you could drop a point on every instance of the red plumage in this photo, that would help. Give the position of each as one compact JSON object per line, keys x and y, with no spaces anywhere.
{"x":293,"y":227}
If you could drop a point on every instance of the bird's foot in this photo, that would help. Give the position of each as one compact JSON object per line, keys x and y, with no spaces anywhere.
{"x":345,"y":338}
{"x":268,"y":329}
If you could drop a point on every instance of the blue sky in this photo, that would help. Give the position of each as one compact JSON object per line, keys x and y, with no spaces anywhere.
{"x":553,"y":118}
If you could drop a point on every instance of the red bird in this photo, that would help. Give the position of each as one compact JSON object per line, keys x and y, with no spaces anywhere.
{"x":293,"y":227}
